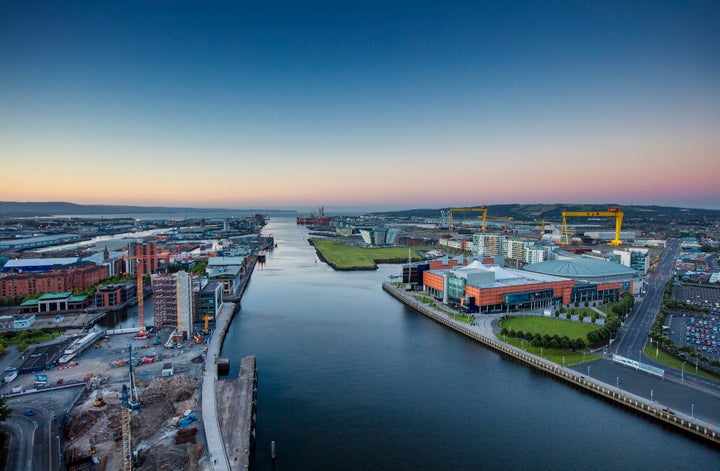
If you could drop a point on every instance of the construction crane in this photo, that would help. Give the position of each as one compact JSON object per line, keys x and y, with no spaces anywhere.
{"x":141,"y":299}
{"x":480,"y":209}
{"x":128,"y":402}
{"x":134,"y":400}
{"x":613,"y":212}
{"x":126,"y":430}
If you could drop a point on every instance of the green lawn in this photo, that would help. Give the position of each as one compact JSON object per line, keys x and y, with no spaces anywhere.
{"x":561,"y":357}
{"x":348,"y":257}
{"x":549,"y":326}
{"x":652,"y":352}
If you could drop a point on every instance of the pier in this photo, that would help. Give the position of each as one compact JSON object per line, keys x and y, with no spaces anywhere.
{"x":484,"y":335}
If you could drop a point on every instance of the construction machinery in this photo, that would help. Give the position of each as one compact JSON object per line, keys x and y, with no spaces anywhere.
{"x":480,"y":209}
{"x":99,"y":400}
{"x":613,"y":212}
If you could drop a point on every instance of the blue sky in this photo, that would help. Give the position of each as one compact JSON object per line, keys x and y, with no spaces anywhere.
{"x":360,"y":104}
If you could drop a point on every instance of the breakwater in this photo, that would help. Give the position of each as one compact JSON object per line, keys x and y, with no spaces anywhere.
{"x":693,"y":427}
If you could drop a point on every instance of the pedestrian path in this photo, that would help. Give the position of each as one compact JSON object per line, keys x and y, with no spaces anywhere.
{"x":215,"y":443}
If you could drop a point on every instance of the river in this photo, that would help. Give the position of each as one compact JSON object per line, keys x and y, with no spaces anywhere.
{"x":351,"y":379}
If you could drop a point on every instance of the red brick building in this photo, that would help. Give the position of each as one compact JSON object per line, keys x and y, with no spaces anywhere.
{"x":53,"y":281}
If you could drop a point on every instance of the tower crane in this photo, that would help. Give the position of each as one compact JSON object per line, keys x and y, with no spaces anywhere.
{"x":613,"y":212}
{"x":141,"y":299}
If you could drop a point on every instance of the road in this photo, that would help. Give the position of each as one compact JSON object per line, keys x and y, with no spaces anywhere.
{"x":631,"y":338}
{"x":35,"y":439}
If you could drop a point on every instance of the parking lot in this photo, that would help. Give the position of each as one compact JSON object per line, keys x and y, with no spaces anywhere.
{"x":701,"y":331}
{"x":699,"y":295}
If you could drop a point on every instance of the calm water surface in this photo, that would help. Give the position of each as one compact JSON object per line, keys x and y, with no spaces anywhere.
{"x":351,"y":379}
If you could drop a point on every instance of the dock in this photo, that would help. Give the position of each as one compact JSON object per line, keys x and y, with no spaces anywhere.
{"x":236,"y":402}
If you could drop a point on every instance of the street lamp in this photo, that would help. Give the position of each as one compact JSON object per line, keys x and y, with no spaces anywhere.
{"x":563,"y":360}
{"x":651,"y":396}
{"x":541,"y":352}
{"x":588,"y":371}
{"x":692,"y":410}
{"x":617,"y":382}
{"x":682,"y":373}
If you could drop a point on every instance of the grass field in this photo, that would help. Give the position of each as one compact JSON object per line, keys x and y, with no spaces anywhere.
{"x":344,"y":256}
{"x":561,"y":357}
{"x":550,"y":326}
{"x":652,"y":352}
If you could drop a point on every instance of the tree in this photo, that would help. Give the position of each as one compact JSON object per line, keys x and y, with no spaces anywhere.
{"x":5,"y":411}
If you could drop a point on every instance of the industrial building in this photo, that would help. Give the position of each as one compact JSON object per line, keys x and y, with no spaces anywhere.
{"x":35,"y":265}
{"x":34,"y":242}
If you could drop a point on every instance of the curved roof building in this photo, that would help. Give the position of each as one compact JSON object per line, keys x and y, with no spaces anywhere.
{"x":587,"y":269}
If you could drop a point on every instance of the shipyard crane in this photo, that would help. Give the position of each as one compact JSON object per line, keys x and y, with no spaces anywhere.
{"x":480,"y":209}
{"x":613,"y":212}
{"x":505,"y":220}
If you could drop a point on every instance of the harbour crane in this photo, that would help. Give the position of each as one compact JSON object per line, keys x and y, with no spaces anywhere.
{"x":613,"y":212}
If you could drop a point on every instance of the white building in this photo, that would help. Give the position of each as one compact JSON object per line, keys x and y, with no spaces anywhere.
{"x":488,"y":244}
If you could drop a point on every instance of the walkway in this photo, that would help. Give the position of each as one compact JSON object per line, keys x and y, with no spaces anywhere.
{"x":215,"y":443}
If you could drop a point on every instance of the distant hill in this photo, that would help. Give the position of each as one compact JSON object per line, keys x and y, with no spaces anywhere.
{"x":553,"y":212}
{"x":47,"y":209}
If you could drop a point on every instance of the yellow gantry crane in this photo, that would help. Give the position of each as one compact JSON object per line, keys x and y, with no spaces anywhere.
{"x":480,"y":209}
{"x":613,"y":212}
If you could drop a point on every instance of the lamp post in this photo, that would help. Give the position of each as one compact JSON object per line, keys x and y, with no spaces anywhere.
{"x":588,"y":371}
{"x":617,"y":382}
{"x":692,"y":410}
{"x":651,"y":396}
{"x":682,"y":373}
{"x":541,"y":352}
{"x":563,"y":360}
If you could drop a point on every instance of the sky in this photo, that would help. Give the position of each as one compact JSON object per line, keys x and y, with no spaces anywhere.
{"x":360,"y":105}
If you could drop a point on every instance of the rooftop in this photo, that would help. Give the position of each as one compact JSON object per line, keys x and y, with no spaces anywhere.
{"x":580,"y":268}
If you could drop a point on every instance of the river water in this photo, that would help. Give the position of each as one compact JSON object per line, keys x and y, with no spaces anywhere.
{"x":351,"y":379}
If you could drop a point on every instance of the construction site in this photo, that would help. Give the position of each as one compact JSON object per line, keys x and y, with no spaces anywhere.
{"x":140,"y":401}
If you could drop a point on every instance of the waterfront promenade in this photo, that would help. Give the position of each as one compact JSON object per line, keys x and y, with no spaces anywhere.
{"x":483,"y":332}
{"x":215,"y":444}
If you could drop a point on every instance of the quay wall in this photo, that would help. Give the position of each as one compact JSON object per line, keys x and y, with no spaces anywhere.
{"x":695,"y":427}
